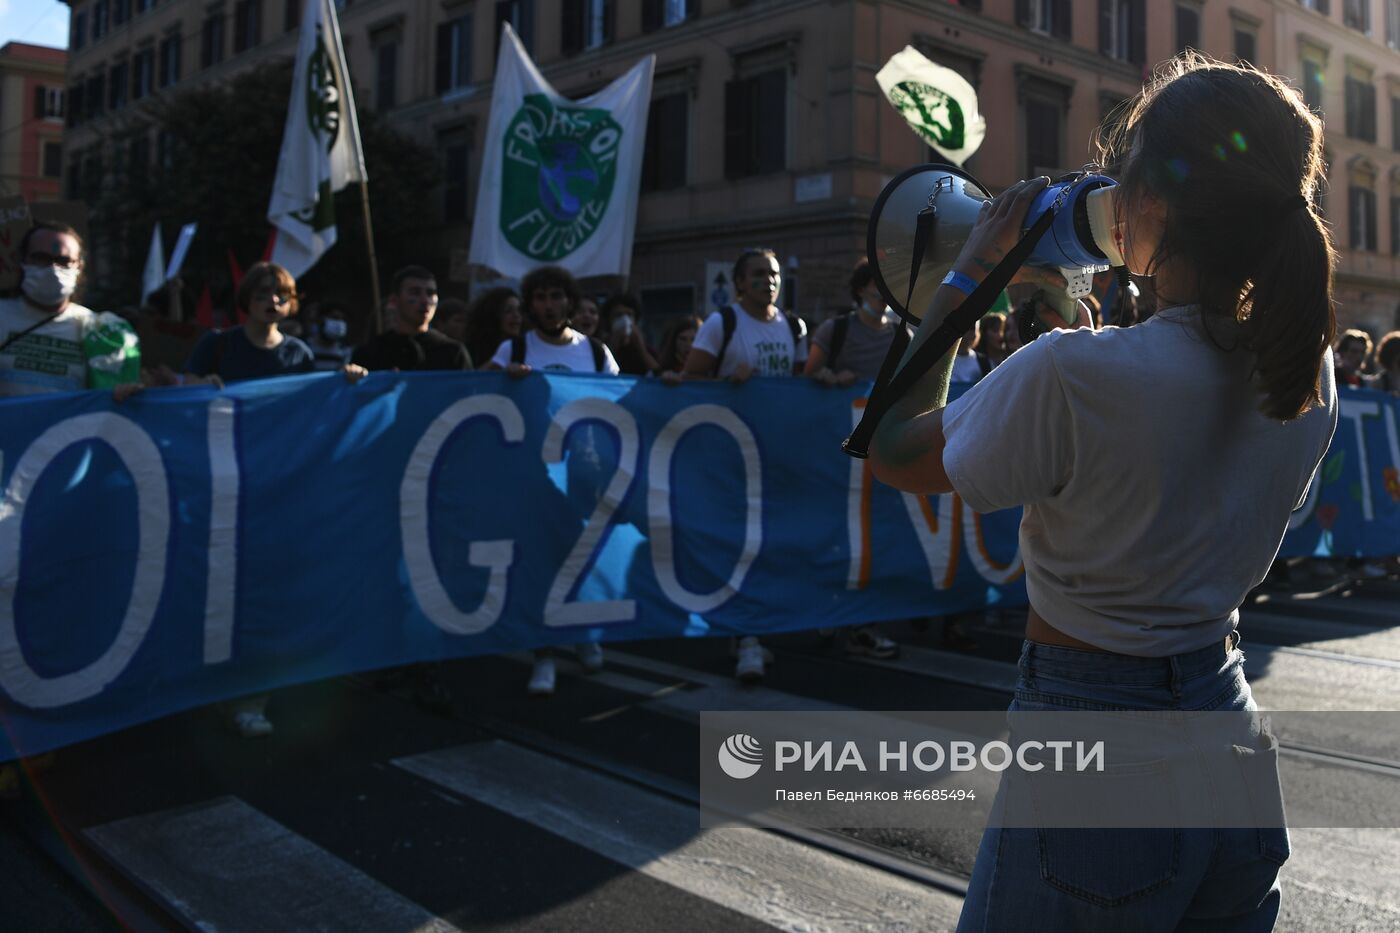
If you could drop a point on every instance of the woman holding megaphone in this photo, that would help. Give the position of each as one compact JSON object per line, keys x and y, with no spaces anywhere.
{"x":1157,"y":466}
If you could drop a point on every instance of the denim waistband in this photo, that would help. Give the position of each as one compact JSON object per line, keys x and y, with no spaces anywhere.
{"x":1039,"y":660}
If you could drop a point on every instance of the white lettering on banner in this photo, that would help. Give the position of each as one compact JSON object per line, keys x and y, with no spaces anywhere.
{"x":219,"y":599}
{"x":937,"y":533}
{"x":141,"y":458}
{"x":557,"y":611}
{"x":659,"y":518}
{"x":1354,"y":410}
{"x":495,"y":556}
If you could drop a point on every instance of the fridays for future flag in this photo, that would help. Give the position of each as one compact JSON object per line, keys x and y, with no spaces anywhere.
{"x":320,"y":145}
{"x":937,"y":103}
{"x":560,"y":178}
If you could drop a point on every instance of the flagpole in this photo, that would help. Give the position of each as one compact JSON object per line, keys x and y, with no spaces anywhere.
{"x":376,"y":322}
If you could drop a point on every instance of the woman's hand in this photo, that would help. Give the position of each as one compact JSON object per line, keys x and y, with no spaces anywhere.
{"x":517,"y":370}
{"x":999,"y":226}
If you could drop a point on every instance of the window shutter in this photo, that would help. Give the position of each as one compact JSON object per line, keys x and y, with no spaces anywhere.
{"x":609,"y":19}
{"x":1060,"y":28}
{"x":738,"y":97}
{"x":1324,"y":7}
{"x":1354,"y":218}
{"x":444,"y":57}
{"x":39,"y":102}
{"x":527,"y":24}
{"x":1023,"y":12}
{"x":652,"y":12}
{"x":1106,"y":28}
{"x":1371,"y":241}
{"x":675,"y":141}
{"x":769,"y":123}
{"x":571,"y":40}
{"x":1137,"y":25}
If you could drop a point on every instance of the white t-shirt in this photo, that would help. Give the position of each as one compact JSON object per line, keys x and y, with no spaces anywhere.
{"x":966,"y":368}
{"x":766,"y":346}
{"x":47,"y":359}
{"x":1156,"y":494}
{"x":576,"y":356}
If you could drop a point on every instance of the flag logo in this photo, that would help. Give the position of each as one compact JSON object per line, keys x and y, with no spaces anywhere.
{"x":933,"y":114}
{"x":558,"y":173}
{"x":322,"y":94}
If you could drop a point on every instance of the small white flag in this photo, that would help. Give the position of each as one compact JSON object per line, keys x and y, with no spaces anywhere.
{"x":153,"y":277}
{"x":937,"y":103}
{"x":321,"y":151}
{"x":559,"y":177}
{"x":182,"y":248}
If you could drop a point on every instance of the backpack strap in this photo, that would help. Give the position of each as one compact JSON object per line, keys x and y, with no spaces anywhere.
{"x":839,"y":329}
{"x":517,"y":349}
{"x":727,"y":318}
{"x":600,"y":356}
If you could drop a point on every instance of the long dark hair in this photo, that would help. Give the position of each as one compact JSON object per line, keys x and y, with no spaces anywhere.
{"x":1236,"y":156}
{"x":668,"y":361}
{"x":483,"y":334}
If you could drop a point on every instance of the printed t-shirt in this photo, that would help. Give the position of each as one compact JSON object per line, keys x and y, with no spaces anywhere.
{"x":1156,"y":494}
{"x":47,"y":359}
{"x":766,"y":346}
{"x":231,"y":356}
{"x":864,"y":349}
{"x":576,"y":356}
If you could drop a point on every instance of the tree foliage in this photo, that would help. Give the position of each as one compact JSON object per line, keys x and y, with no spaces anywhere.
{"x":214,"y":163}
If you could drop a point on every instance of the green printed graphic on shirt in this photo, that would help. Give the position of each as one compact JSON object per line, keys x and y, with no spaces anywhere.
{"x":774,"y":357}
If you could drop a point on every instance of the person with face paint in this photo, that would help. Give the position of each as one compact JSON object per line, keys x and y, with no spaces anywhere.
{"x":411,"y":344}
{"x":50,"y":343}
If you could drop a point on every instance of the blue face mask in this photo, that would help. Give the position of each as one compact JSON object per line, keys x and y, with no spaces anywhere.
{"x":333,"y":329}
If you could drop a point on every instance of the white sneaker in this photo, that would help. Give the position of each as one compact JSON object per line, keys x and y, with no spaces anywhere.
{"x":590,"y":655}
{"x":749,"y":667}
{"x":542,"y":678}
{"x":252,"y":725}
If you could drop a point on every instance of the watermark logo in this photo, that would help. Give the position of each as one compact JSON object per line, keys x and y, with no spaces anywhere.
{"x":740,"y":756}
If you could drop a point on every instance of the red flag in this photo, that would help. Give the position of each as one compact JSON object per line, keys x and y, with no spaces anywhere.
{"x":204,"y":309}
{"x":271,"y":242}
{"x":235,"y":271}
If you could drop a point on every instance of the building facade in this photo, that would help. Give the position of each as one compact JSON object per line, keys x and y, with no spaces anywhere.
{"x":766,"y":125}
{"x":31,"y":120}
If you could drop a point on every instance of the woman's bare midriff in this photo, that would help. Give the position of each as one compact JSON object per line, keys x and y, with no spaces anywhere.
{"x":1042,"y":632}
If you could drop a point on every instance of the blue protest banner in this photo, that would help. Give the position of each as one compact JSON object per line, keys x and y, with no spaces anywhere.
{"x":191,"y":545}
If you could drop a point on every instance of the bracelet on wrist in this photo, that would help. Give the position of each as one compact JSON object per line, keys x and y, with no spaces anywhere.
{"x":962,"y":282}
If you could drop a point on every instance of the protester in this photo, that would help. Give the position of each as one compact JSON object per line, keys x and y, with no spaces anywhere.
{"x":992,"y":341}
{"x":327,"y":341}
{"x":675,"y":346}
{"x":1111,"y":440}
{"x":411,"y":343}
{"x":584,"y":318}
{"x":622,"y":331}
{"x":257,"y":349}
{"x":551,"y":297}
{"x":1353,"y":350}
{"x":968,"y":364}
{"x":750,"y":337}
{"x":451,"y":320}
{"x":1388,"y":362}
{"x":494,"y":316}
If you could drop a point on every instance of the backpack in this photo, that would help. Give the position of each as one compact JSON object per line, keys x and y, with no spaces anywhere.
{"x":600,"y":357}
{"x":726,"y":316}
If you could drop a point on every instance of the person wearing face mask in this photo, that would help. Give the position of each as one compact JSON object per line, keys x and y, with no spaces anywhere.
{"x":851,"y":346}
{"x":327,"y":338}
{"x":50,"y":343}
{"x":622,"y":317}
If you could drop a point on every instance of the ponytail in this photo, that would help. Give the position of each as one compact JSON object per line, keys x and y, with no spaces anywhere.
{"x":1288,"y":317}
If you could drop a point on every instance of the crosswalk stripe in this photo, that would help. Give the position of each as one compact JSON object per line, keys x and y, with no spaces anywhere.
{"x":222,"y":865}
{"x":758,"y":874}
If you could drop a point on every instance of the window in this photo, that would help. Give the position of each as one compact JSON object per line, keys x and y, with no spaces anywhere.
{"x":144,"y":6}
{"x":587,"y":24}
{"x":291,"y":15}
{"x":1123,"y":30}
{"x":521,"y":16}
{"x":74,"y":186}
{"x":53,"y":159}
{"x":1394,"y":225}
{"x":1245,"y":44}
{"x":386,"y":73}
{"x":247,"y":25}
{"x":1048,"y":16}
{"x":140,"y":155}
{"x":1361,"y":109}
{"x":1043,"y":119}
{"x":1392,"y":23}
{"x":79,"y":31}
{"x":143,"y":73}
{"x":165,"y":149}
{"x":659,"y":14}
{"x":668,"y":141}
{"x":121,"y":12}
{"x":117,"y":86}
{"x":48,"y":103}
{"x":755,"y":124}
{"x":1356,"y":14}
{"x":169,"y":59}
{"x":96,"y":93}
{"x":1361,"y":204}
{"x":211,"y":44}
{"x":455,"y":146}
{"x":99,"y":19}
{"x":454,"y":54}
{"x":1188,"y":27}
{"x":1312,"y":84}
{"x":1322,"y":6}
{"x":76,"y":103}
{"x":92,"y":177}
{"x":1395,"y":123}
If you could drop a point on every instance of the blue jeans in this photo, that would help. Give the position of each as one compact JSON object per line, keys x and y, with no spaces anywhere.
{"x":1127,"y":880}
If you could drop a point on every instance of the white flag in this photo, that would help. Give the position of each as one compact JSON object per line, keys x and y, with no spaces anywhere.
{"x":937,"y":102}
{"x":320,"y":145}
{"x":560,"y":178}
{"x":153,"y":277}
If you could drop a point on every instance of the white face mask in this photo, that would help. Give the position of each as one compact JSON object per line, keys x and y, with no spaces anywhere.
{"x":49,"y":286}
{"x":333,"y":328}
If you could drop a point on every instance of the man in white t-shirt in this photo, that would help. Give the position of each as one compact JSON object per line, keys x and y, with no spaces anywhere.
{"x":550,"y":296}
{"x":751,"y":337}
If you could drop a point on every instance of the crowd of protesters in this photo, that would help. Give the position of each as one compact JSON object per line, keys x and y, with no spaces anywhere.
{"x":548,"y":324}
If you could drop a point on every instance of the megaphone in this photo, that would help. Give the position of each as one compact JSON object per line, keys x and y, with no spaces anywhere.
{"x":946,"y":201}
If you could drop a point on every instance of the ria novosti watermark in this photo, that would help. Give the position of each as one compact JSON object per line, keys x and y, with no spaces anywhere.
{"x":1043,"y":769}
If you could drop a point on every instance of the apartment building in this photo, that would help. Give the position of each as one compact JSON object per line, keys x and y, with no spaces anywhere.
{"x":31,"y":121}
{"x":767,"y":126}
